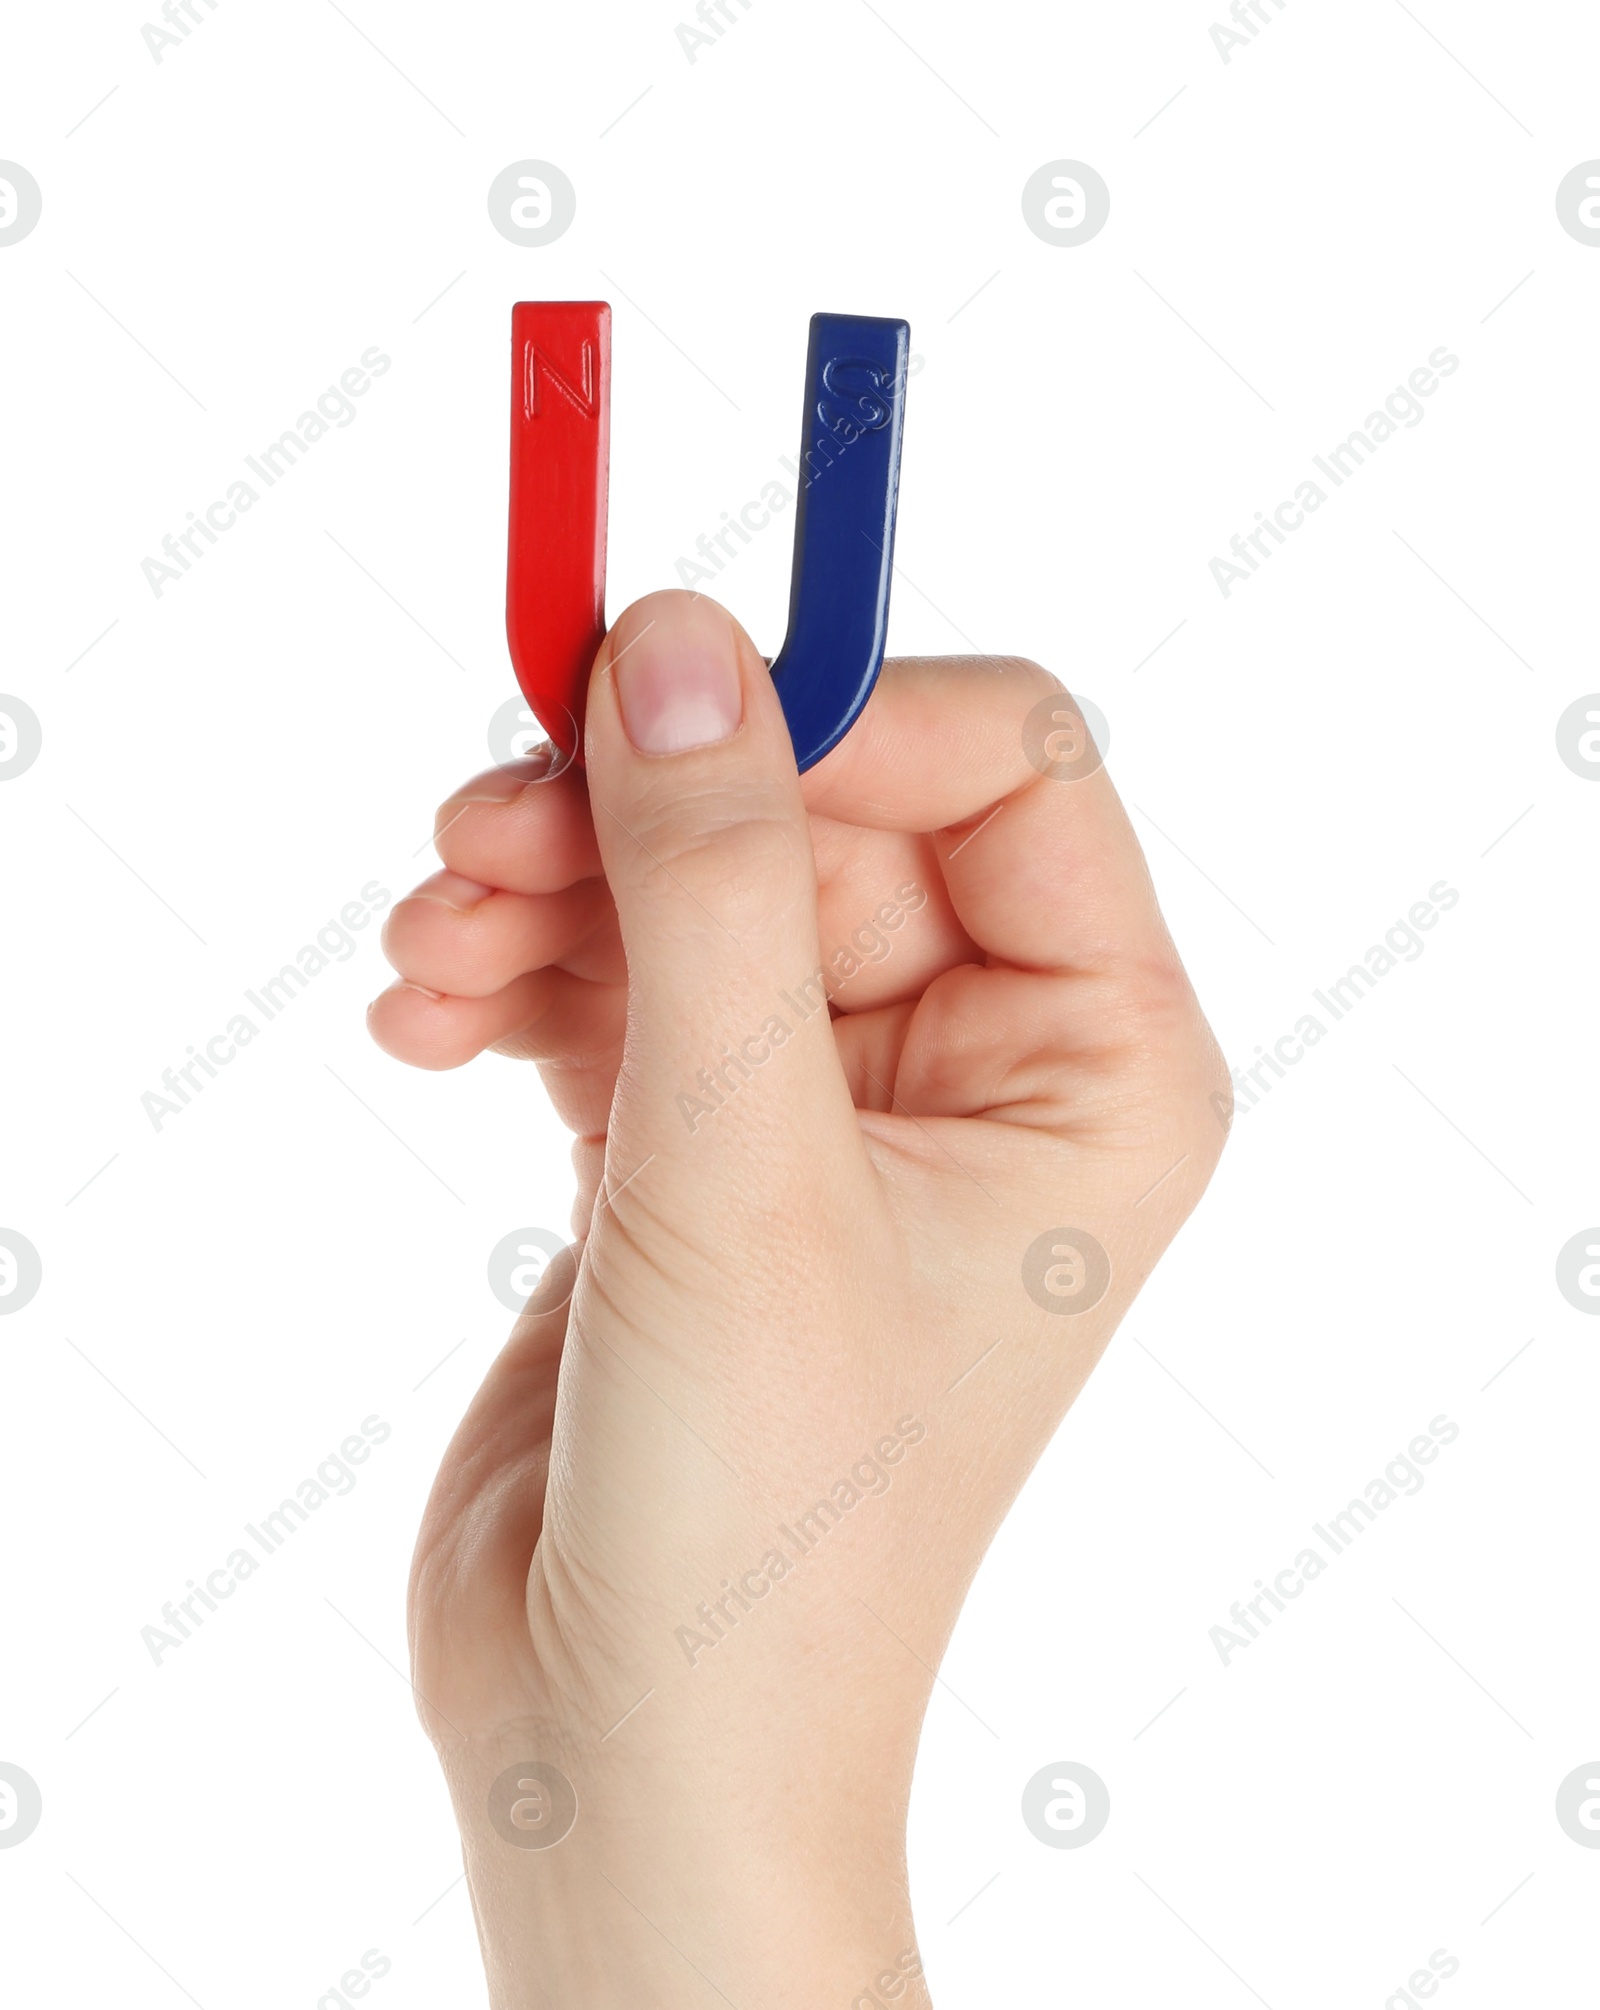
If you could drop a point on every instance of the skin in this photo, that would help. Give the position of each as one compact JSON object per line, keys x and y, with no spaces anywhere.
{"x":812,"y":1292}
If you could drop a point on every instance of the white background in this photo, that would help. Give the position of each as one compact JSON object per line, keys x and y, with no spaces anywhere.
{"x":305,"y":1245}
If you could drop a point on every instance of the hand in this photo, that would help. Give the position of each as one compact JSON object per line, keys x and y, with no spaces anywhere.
{"x":867,"y":1069}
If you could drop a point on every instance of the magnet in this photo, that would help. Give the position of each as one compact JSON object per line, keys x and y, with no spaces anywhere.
{"x":844,"y":527}
{"x":848,"y":475}
{"x":556,"y":545}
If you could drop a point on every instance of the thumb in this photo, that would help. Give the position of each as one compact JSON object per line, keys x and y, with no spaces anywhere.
{"x":730,"y":1073}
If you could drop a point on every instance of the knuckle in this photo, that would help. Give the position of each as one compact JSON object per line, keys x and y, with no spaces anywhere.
{"x":1158,"y":996}
{"x":1160,"y":1019}
{"x":1027,"y":680}
{"x":739,"y":868}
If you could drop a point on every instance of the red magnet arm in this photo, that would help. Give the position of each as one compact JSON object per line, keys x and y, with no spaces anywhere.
{"x":556,"y":557}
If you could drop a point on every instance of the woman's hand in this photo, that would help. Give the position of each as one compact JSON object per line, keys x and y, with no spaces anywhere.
{"x":889,"y":1089}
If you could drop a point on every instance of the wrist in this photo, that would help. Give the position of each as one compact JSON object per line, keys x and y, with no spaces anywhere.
{"x":613,"y":1879}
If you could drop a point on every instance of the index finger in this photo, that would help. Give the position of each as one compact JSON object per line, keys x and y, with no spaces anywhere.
{"x":1039,"y":857}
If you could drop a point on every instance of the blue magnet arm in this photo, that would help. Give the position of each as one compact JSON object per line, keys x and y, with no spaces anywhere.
{"x":844,"y":527}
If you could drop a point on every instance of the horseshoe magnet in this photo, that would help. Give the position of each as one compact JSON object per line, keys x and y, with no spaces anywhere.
{"x":844,"y":518}
{"x":556,"y":549}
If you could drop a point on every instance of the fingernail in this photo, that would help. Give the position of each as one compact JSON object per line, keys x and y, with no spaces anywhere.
{"x":403,"y":984}
{"x":678,"y":678}
{"x":499,"y":785}
{"x":453,"y":889}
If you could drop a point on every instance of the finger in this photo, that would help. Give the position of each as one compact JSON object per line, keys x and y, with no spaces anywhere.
{"x":1053,"y":878}
{"x":429,"y":1029}
{"x":1043,"y":872}
{"x":707,"y":849}
{"x":455,"y":935}
{"x":886,"y":924}
{"x":937,"y":740}
{"x":571,"y":1028}
{"x":525,"y":827}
